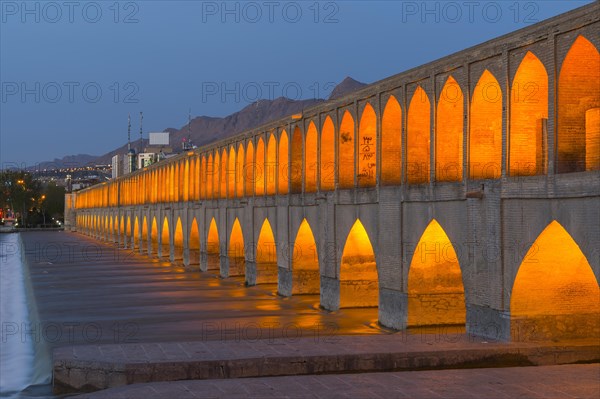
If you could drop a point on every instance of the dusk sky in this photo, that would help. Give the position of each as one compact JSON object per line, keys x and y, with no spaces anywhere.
{"x":70,"y":72}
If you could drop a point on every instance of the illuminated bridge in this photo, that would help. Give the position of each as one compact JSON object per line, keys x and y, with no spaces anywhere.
{"x":462,"y":192}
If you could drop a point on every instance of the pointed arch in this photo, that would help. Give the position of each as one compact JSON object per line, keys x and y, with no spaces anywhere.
{"x":145,"y":238}
{"x":578,"y":138}
{"x":236,"y":251}
{"x":136,"y":234}
{"x":367,"y":148}
{"x":209,"y":171}
{"x":555,"y":294}
{"x":194,"y":243}
{"x":418,"y":138}
{"x":310,"y":159}
{"x":223,"y":173}
{"x":284,"y":174}
{"x":178,"y":240}
{"x":449,"y":133}
{"x":271,"y":165}
{"x":528,"y":114}
{"x":154,"y":235}
{"x":206,"y":185}
{"x":485,"y":133}
{"x":231,"y":173}
{"x":249,"y":170}
{"x":165,"y":239}
{"x":239,"y":171}
{"x":296,"y":167}
{"x":391,"y":143}
{"x":346,"y":144}
{"x":436,"y":294}
{"x":327,"y":164}
{"x":213,"y":246}
{"x":306,"y":277}
{"x":359,"y":281}
{"x":259,"y":168}
{"x":266,"y":256}
{"x":216,"y":174}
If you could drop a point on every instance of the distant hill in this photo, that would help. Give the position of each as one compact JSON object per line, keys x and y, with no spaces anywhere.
{"x":206,"y":129}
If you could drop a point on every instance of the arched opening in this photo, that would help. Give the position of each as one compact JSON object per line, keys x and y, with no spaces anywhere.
{"x":266,"y":256}
{"x":165,"y":242}
{"x":249,"y":170}
{"x":528,"y":116}
{"x":391,"y":143}
{"x":259,"y":168}
{"x":210,"y":172}
{"x":128,"y":233}
{"x":204,"y":186}
{"x":178,"y":241}
{"x":296,"y":170}
{"x":271,"y":165}
{"x":555,"y":294}
{"x":485,"y":133}
{"x":306,"y":278}
{"x":284,"y":174}
{"x":144,"y":241}
{"x":359,"y":283}
{"x":346,"y":152}
{"x":418,"y":138}
{"x":236,"y":252}
{"x":310,"y":159}
{"x":213,"y":248}
{"x":367,"y":148}
{"x":578,"y":138}
{"x":216,"y":175}
{"x":136,"y":234}
{"x":327,"y":175}
{"x":436,"y":295}
{"x":154,"y":236}
{"x":194,"y":243}
{"x":240,"y":171}
{"x":449,"y":133}
{"x":223,"y":177}
{"x":231,"y":173}
{"x":115,"y":231}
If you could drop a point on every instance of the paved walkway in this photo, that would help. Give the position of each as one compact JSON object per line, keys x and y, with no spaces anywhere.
{"x":572,"y":381}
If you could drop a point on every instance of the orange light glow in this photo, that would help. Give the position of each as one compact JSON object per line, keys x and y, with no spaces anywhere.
{"x":223,"y":174}
{"x":436,"y":294}
{"x":529,"y":110}
{"x":271,"y":165}
{"x":144,"y":240}
{"x":367,"y":148}
{"x":555,"y":294}
{"x":239,"y":171}
{"x":327,"y":179}
{"x":231,"y":173}
{"x":418,"y":138}
{"x":310,"y":159}
{"x":259,"y":168}
{"x":178,"y":240}
{"x":578,"y":92}
{"x":136,"y":232}
{"x":194,"y":243}
{"x":236,"y":252}
{"x":296,"y":167}
{"x":284,"y":175}
{"x":154,"y":236}
{"x":485,"y":135}
{"x":266,"y":256}
{"x":213,"y":249}
{"x":249,"y":170}
{"x":166,"y":245}
{"x":216,"y":175}
{"x":306,"y":278}
{"x":346,"y":143}
{"x":391,"y":140}
{"x":449,"y":133}
{"x":359,"y":284}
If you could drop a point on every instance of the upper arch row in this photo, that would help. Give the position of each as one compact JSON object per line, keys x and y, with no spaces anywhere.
{"x":448,"y":137}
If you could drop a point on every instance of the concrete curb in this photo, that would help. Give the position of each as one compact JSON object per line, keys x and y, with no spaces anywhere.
{"x":90,"y":368}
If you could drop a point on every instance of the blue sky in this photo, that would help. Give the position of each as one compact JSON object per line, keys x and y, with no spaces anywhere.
{"x":70,"y":72}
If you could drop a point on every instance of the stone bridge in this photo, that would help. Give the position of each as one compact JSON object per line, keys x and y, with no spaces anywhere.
{"x":464,"y":192}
